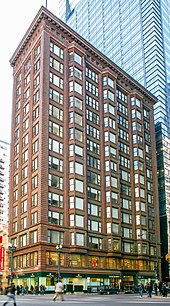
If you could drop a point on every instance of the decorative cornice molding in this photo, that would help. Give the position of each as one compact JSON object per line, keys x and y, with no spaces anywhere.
{"x":47,"y":15}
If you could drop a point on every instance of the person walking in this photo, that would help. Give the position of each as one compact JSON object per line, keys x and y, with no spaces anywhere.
{"x":18,"y":290}
{"x":147,"y":288}
{"x":160,"y":288}
{"x":42,"y":289}
{"x":141,"y":290}
{"x":22,"y":291}
{"x":36,"y":290}
{"x":32,"y":289}
{"x":59,"y":291}
{"x":164,"y":290}
{"x":156,"y":288}
{"x":150,"y":290}
{"x":26,"y":289}
{"x":11,"y":295}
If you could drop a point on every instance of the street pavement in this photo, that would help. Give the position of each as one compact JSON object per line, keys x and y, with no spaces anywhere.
{"x":89,"y":300}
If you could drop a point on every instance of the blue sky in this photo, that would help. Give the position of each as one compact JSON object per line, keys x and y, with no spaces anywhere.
{"x":16,"y":17}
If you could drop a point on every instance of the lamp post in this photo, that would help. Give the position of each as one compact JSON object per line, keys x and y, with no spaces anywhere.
{"x":11,"y":249}
{"x":59,"y":250}
{"x":156,"y":269}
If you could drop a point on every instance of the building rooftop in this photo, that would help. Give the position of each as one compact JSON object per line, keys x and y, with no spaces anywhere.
{"x":44,"y":13}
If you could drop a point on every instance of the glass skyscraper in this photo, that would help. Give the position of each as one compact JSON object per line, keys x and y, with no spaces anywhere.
{"x":135,"y":34}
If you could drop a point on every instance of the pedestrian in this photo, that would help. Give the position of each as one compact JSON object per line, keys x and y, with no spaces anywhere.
{"x":26,"y":289}
{"x":160,"y":287}
{"x":1,"y":289}
{"x":150,"y":290}
{"x":32,"y":289}
{"x":164,"y":290}
{"x":11,"y":294}
{"x":42,"y":289}
{"x":36,"y":290}
{"x":18,"y":290}
{"x":22,"y":291}
{"x":59,"y":291}
{"x":147,"y":288}
{"x":141,"y":290}
{"x":156,"y":288}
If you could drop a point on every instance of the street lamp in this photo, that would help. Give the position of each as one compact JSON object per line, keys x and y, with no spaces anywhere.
{"x":59,"y":250}
{"x":11,"y":249}
{"x":156,"y":269}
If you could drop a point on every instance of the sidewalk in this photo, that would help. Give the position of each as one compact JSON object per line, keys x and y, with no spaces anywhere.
{"x":155,"y":296}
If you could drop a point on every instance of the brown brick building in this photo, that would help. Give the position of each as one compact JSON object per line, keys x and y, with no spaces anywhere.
{"x":83,"y":164}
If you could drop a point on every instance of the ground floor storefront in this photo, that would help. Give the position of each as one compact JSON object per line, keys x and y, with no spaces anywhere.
{"x":82,"y":282}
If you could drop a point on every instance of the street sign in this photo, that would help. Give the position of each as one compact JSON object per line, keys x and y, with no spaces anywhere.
{"x":1,"y":258}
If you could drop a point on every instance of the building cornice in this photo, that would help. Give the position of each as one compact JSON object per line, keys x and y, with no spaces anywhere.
{"x":43,"y":13}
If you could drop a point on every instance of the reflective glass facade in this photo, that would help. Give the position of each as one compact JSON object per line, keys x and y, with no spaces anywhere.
{"x":135,"y":34}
